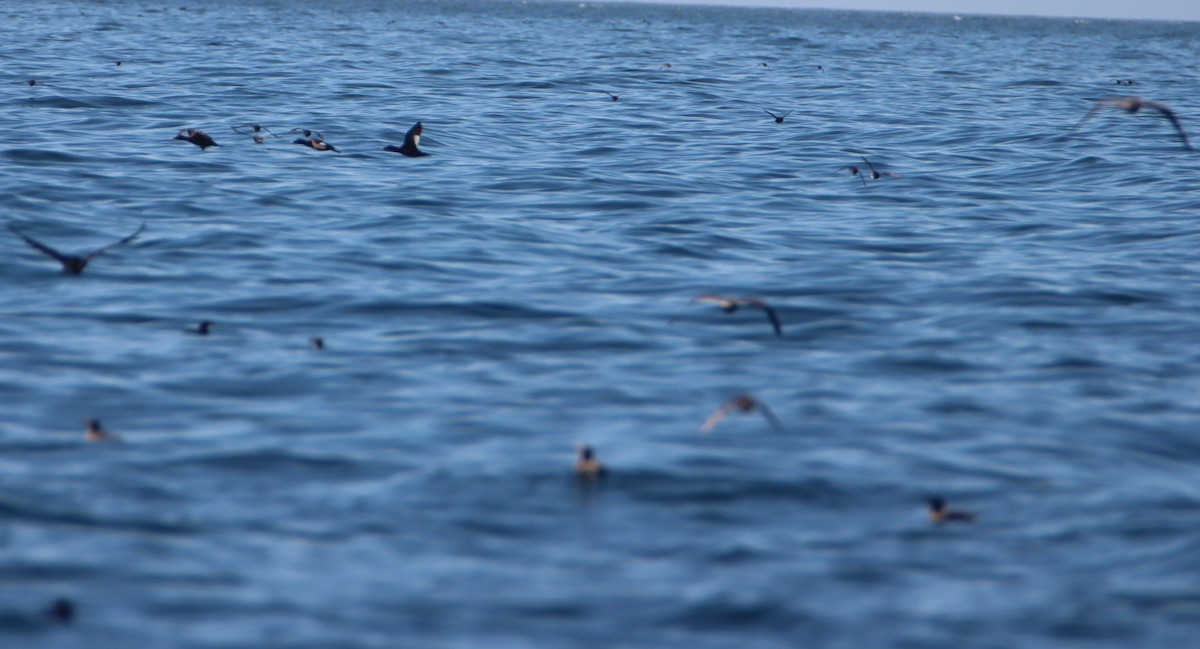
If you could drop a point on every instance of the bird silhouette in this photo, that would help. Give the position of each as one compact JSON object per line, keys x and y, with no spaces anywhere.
{"x":778,"y":118}
{"x":411,"y":139}
{"x":199,"y":138}
{"x":72,"y":265}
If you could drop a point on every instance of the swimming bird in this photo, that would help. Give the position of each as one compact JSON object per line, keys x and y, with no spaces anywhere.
{"x":202,"y":329}
{"x":732,"y":304}
{"x":614,"y":97}
{"x":199,"y":138}
{"x":763,"y":65}
{"x":939,"y":514}
{"x":1133,"y":105}
{"x":317,"y":342}
{"x":120,"y":63}
{"x":821,"y":69}
{"x":254,"y":128}
{"x":307,"y":133}
{"x":854,"y":171}
{"x":778,"y":118}
{"x":317,"y":144}
{"x":96,"y":433}
{"x":411,"y":139}
{"x":668,"y":66}
{"x":587,"y":467}
{"x":1124,"y":82}
{"x":61,"y":610}
{"x":876,"y":175}
{"x":34,"y":82}
{"x":72,"y":265}
{"x":742,"y":403}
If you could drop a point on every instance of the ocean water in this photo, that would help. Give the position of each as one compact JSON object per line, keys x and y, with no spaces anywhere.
{"x":1011,"y":323}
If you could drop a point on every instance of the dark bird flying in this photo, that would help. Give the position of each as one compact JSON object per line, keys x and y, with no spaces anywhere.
{"x":778,"y":118}
{"x":72,"y":265}
{"x":411,"y":139}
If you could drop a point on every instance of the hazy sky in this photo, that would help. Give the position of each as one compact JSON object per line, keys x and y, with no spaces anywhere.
{"x":1146,"y":9}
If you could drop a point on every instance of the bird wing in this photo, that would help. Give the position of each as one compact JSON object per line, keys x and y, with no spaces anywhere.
{"x":110,"y":246}
{"x":770,"y":113}
{"x":788,"y":113}
{"x":1170,"y":114}
{"x":414,"y":134}
{"x":771,"y":315}
{"x":718,"y":415}
{"x":776,"y":425}
{"x":773,"y":318}
{"x":699,"y":298}
{"x":39,"y":246}
{"x":869,"y":165}
{"x":1096,"y":107}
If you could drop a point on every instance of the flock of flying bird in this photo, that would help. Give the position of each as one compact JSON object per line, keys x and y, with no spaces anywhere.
{"x":587,"y":466}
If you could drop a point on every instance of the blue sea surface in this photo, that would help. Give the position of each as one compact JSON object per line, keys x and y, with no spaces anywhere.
{"x":1012,"y":323}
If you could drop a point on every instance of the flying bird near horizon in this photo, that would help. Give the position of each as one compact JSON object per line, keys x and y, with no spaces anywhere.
{"x":1133,"y":105}
{"x":742,"y":403}
{"x":732,"y":304}
{"x":72,"y":265}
